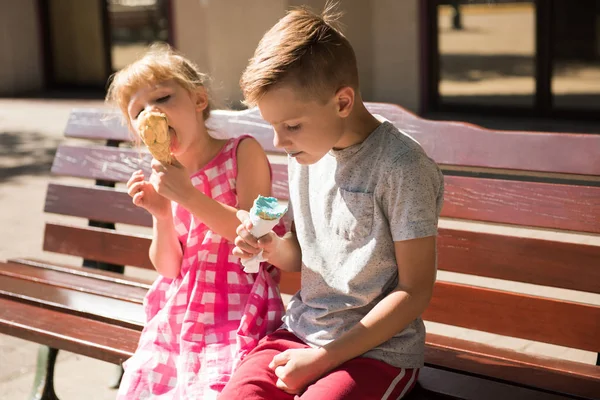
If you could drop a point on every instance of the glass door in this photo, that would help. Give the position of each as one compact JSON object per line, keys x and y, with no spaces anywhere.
{"x":487,"y":53}
{"x":133,"y":26}
{"x":576,"y":55}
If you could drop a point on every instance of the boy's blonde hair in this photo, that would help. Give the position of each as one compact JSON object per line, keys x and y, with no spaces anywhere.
{"x":305,"y":50}
{"x":160,"y":64}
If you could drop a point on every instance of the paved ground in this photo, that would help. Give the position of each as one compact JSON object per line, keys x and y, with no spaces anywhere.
{"x":29,"y":133}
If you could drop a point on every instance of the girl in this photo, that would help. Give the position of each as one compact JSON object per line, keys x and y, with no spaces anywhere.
{"x":203,"y":313}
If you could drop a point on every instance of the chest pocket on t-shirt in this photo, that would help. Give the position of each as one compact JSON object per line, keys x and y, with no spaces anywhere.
{"x":352,"y":214}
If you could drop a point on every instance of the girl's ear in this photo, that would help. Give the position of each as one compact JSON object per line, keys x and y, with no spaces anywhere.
{"x":200,"y":98}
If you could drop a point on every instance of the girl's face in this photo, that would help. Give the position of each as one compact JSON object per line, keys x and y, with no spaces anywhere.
{"x":182,"y":108}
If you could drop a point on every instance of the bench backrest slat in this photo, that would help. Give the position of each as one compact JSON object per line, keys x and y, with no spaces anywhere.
{"x":545,"y":320}
{"x":449,"y":143}
{"x":98,"y":244}
{"x":101,"y":163}
{"x":117,"y":164}
{"x":459,"y":143}
{"x":541,"y":262}
{"x":95,"y":203}
{"x":105,"y":124}
{"x":544,"y":205}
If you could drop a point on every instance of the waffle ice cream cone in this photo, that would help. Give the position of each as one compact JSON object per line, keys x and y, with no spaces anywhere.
{"x":264,"y":215}
{"x":153,"y":129}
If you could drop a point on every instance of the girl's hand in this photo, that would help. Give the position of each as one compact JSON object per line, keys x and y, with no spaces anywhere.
{"x":143,"y":195}
{"x":171,"y":180}
{"x":247,"y":245}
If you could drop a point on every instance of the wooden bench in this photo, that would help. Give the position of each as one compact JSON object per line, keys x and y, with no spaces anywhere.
{"x":497,"y":182}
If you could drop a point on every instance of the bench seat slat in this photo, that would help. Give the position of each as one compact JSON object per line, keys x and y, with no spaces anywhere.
{"x":563,"y":323}
{"x":543,"y":205}
{"x":91,"y":338}
{"x":94,"y":273}
{"x":99,"y":245}
{"x":463,"y":386}
{"x":536,"y":261}
{"x":73,"y":281}
{"x":118,"y":312}
{"x":534,"y":371}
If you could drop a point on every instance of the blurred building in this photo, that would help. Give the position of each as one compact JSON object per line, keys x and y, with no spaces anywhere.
{"x":533,"y":58}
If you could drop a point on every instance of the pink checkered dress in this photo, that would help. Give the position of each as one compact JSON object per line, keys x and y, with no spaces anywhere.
{"x":202,"y":323}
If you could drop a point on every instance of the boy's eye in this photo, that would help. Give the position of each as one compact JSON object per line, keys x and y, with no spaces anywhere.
{"x":163,"y":99}
{"x":293,"y":127}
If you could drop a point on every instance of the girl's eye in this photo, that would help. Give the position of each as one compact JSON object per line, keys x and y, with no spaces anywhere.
{"x":293,"y":128}
{"x":163,"y":99}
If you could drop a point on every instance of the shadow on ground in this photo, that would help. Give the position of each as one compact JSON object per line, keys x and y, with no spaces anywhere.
{"x":25,"y":153}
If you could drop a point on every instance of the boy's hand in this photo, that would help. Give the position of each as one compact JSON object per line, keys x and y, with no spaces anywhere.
{"x":144,"y":195}
{"x":247,"y":245}
{"x":298,"y":368}
{"x":171,"y":180}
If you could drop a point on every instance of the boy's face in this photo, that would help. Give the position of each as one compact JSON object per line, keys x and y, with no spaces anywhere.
{"x":305,"y":129}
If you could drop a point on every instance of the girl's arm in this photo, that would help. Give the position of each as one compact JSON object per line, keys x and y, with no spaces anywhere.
{"x":165,"y":250}
{"x":254,"y":178}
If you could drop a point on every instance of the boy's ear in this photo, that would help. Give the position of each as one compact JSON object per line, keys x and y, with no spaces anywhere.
{"x":345,"y":101}
{"x":200,"y":99}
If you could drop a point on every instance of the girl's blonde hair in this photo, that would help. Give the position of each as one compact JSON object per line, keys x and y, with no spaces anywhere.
{"x":161,"y":63}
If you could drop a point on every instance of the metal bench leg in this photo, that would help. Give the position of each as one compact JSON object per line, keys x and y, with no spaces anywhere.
{"x":43,"y":385}
{"x":117,"y":377}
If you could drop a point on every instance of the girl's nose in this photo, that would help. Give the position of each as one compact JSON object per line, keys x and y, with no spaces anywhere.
{"x":279,"y":140}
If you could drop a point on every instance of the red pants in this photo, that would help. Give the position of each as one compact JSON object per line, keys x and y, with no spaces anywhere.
{"x":360,"y":378}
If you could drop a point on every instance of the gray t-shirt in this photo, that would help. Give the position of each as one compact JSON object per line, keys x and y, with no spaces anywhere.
{"x":349,"y":208}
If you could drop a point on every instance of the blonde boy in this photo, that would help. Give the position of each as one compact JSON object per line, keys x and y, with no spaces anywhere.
{"x":365,"y":200}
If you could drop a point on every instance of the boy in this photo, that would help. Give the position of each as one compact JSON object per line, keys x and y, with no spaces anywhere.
{"x":366,"y":201}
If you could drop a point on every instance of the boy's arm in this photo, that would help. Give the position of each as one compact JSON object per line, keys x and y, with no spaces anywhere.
{"x":288,"y":256}
{"x":283,"y":252}
{"x":416,"y":260}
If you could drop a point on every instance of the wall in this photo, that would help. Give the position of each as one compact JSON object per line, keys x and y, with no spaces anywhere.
{"x":20,"y":53}
{"x":396,"y":66}
{"x":77,"y":34}
{"x":221,"y":36}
